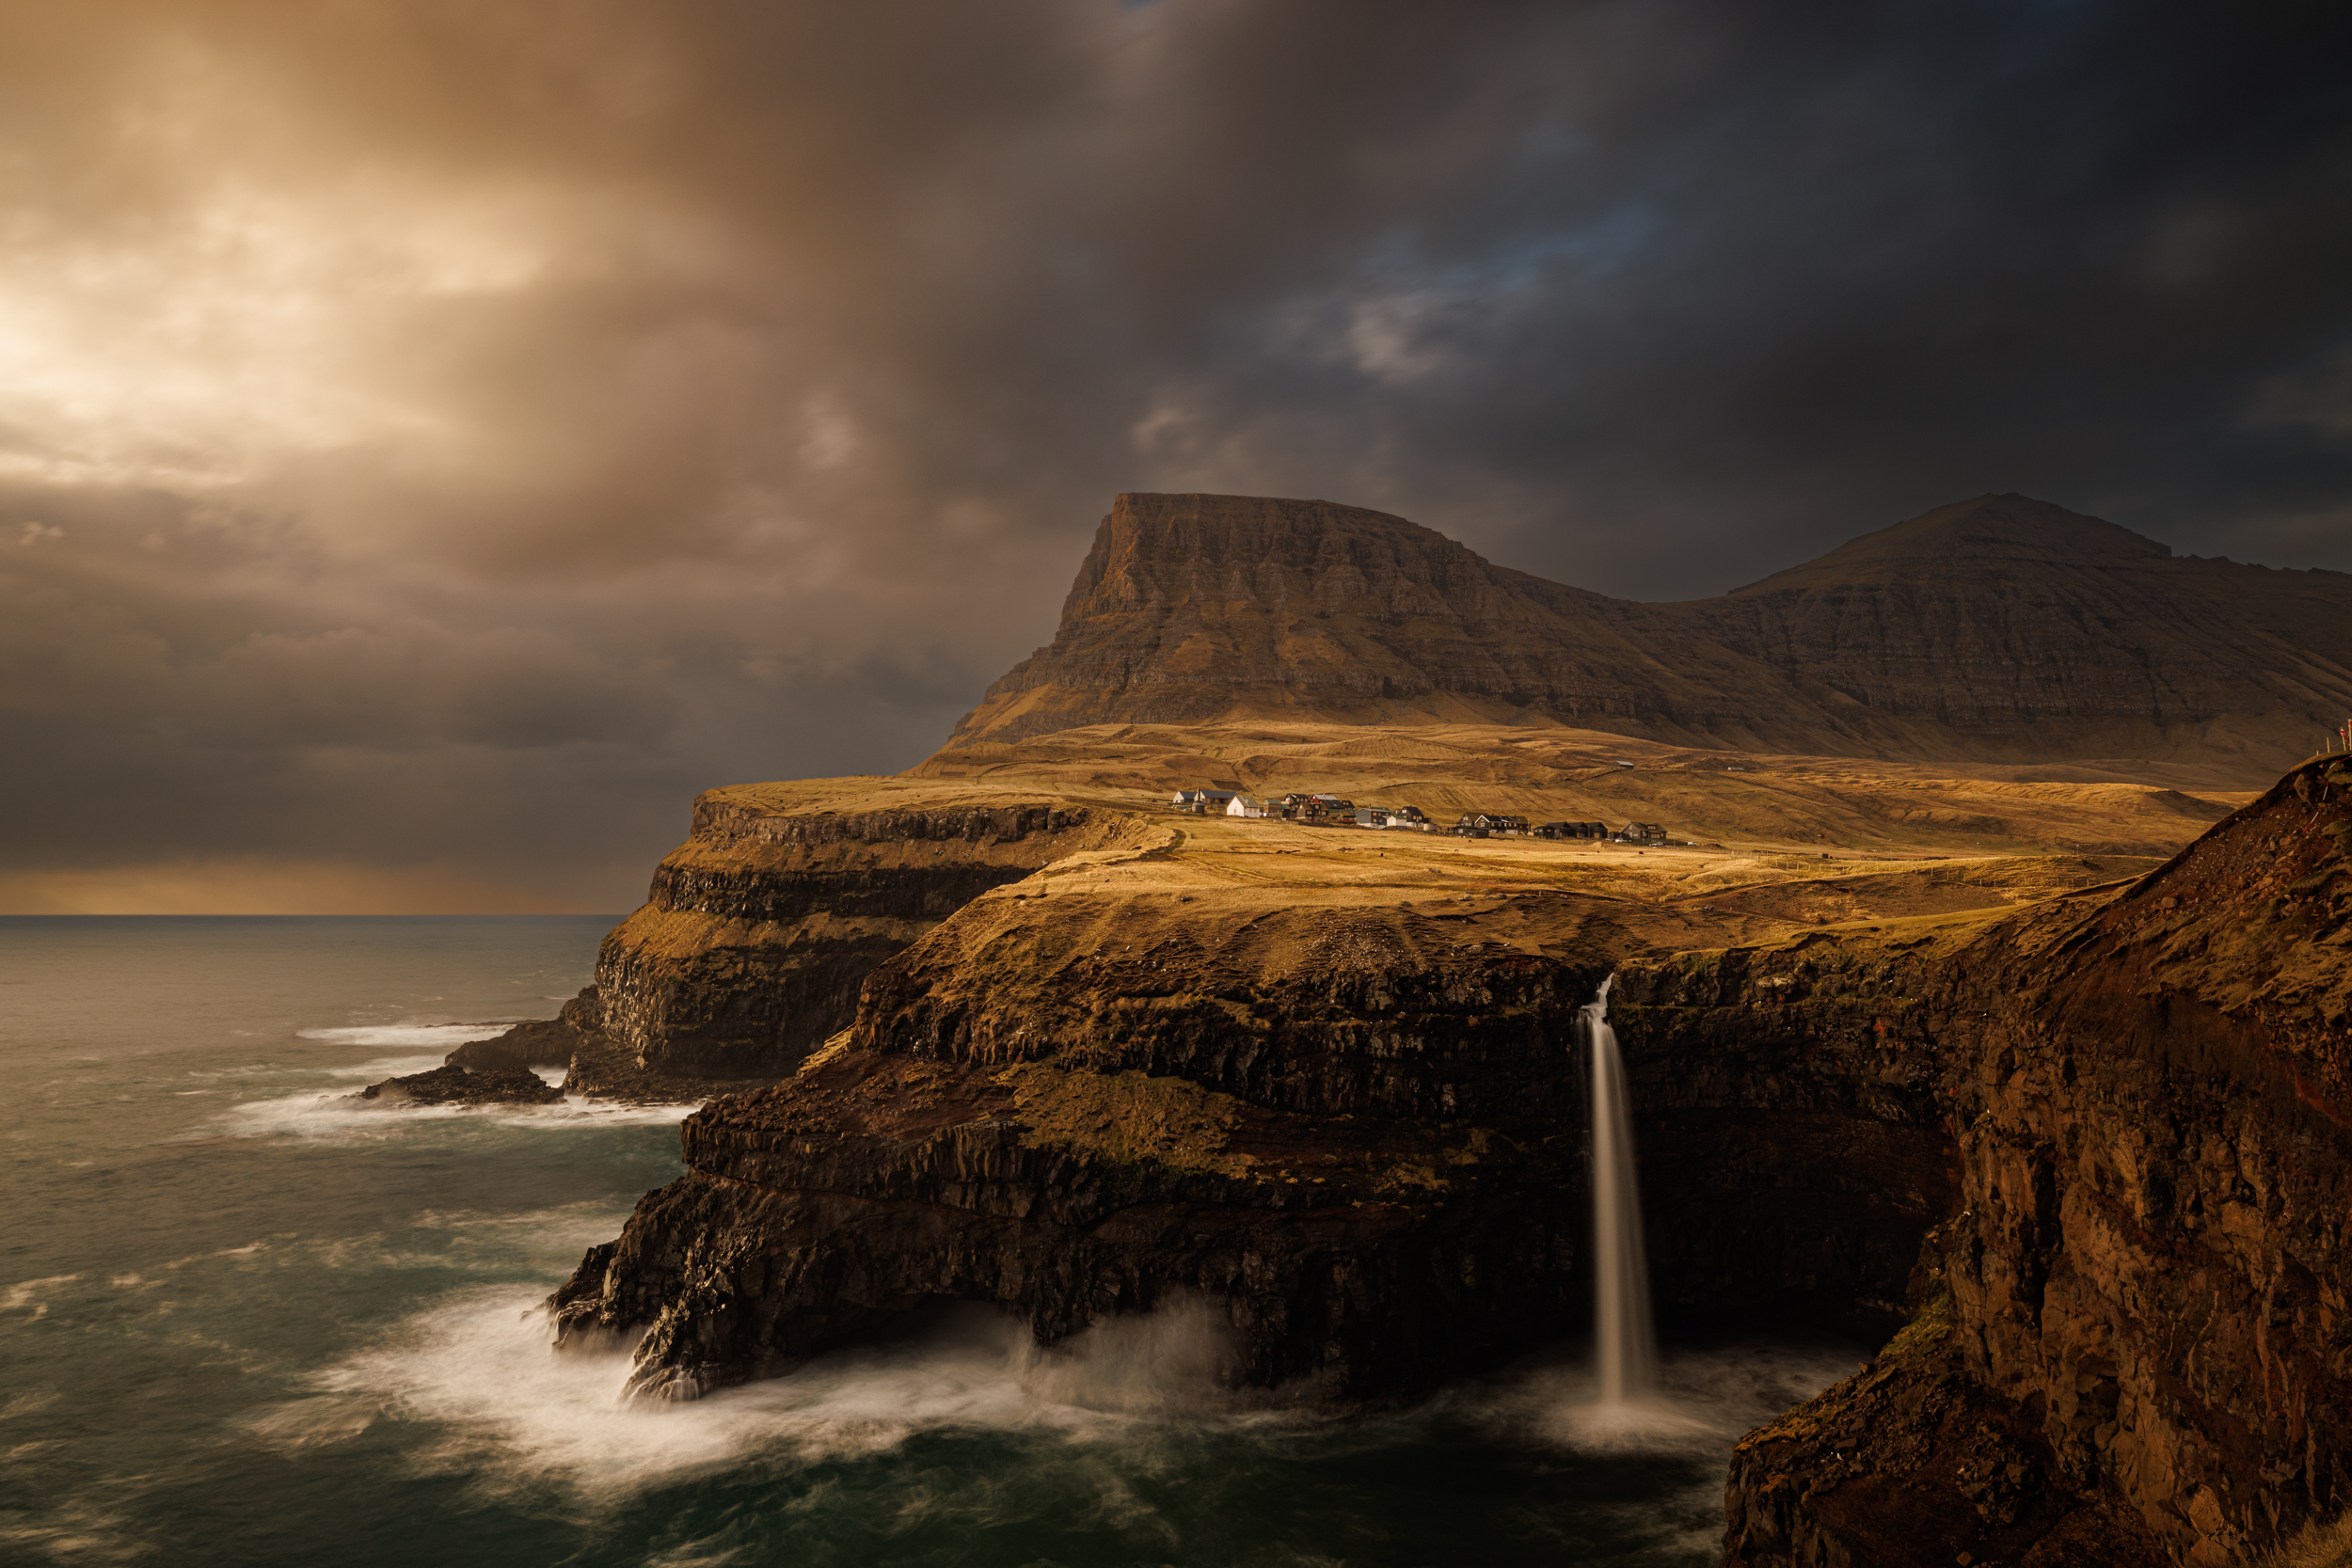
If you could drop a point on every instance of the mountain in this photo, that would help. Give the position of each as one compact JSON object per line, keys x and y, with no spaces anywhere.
{"x":1999,"y":629}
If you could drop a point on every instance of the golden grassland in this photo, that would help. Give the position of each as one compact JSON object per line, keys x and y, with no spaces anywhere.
{"x":1786,"y":843}
{"x":1731,"y":798}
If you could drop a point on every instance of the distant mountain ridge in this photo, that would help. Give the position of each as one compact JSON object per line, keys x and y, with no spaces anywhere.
{"x":1997,"y":629}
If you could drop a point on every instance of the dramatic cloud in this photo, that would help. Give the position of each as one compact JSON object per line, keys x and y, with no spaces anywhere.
{"x":437,"y":437}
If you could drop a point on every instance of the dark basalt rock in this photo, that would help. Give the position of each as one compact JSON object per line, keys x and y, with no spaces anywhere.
{"x":602,"y":1068}
{"x":452,"y":1084}
{"x":1912,"y":1462}
{"x":1359,"y":1128}
{"x":596,"y":1065}
{"x":826,"y":1208}
{"x":536,"y":1042}
{"x":760,"y":928}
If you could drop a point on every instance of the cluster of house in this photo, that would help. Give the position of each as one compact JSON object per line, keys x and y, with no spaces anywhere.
{"x":1333,"y":812}
{"x":1499,"y":824}
{"x":1329,"y":810}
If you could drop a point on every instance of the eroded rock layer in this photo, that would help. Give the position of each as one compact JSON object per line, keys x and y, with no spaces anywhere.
{"x":1347,"y":1106}
{"x":759,"y":929}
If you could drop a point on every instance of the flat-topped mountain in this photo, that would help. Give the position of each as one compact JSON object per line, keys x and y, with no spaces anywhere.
{"x":1999,"y":629}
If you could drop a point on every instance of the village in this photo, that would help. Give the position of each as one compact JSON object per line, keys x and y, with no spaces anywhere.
{"x":1332,"y":811}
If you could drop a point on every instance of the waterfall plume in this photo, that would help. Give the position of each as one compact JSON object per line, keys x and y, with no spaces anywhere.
{"x":1625,"y":1346}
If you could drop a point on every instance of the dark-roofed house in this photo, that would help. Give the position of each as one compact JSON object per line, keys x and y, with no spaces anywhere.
{"x":1327,"y":810}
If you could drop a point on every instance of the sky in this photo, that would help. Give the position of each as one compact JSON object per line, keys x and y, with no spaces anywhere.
{"x":437,"y":437}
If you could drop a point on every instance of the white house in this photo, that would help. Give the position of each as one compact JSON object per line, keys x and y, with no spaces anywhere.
{"x":1202,"y":802}
{"x":1245,"y":805}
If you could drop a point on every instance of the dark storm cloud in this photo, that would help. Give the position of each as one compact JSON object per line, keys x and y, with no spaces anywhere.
{"x":440,"y":435}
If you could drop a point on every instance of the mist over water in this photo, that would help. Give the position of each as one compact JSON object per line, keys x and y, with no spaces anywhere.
{"x":243,"y":1320}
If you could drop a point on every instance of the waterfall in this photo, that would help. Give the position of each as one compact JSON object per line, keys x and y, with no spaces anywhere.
{"x":1624,"y":1348}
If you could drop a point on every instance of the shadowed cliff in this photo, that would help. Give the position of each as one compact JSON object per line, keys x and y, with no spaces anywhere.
{"x":1999,"y":629}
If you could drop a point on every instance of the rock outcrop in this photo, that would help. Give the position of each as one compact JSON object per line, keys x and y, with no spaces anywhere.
{"x":536,"y":1042}
{"x":452,"y":1084}
{"x":2000,"y":629}
{"x":1076,"y":1130}
{"x":759,"y":929}
{"x":1347,"y":1109}
{"x":1913,"y":1463}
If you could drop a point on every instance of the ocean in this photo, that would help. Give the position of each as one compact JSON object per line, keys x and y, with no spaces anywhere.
{"x":245,"y":1322}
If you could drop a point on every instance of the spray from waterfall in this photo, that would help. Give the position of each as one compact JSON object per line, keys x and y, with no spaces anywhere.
{"x":1626,"y":1348}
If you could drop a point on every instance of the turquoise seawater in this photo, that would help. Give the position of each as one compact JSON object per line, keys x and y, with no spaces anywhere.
{"x":245,"y":1322}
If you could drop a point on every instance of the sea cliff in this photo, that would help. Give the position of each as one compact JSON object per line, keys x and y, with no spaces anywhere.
{"x":2090,"y":1146}
{"x":760,"y":927}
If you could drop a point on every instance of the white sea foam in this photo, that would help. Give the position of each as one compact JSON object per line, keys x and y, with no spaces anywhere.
{"x":1133,"y":1398}
{"x":338,"y":1117}
{"x":566,"y":1229}
{"x":443,"y":1037}
{"x":335,"y":1117}
{"x":28,"y":1294}
{"x":481,"y":1366}
{"x":25,"y":1404}
{"x":1704,"y":1402}
{"x":377,"y":1068}
{"x":309,"y":1423}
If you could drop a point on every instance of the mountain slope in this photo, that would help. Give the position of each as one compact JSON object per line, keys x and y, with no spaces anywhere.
{"x":2000,"y":629}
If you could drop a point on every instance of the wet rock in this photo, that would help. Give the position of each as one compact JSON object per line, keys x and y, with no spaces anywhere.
{"x":604,"y":1070}
{"x":537,"y":1042}
{"x":452,"y":1084}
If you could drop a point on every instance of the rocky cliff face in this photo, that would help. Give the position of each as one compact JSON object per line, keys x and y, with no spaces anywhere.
{"x":1356,"y":1120}
{"x":2022,"y":630}
{"x":1074,"y":1129}
{"x":2148,"y":1268}
{"x":1999,"y":629}
{"x":1792,"y":1127}
{"x":761,"y":926}
{"x":1194,"y":608}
